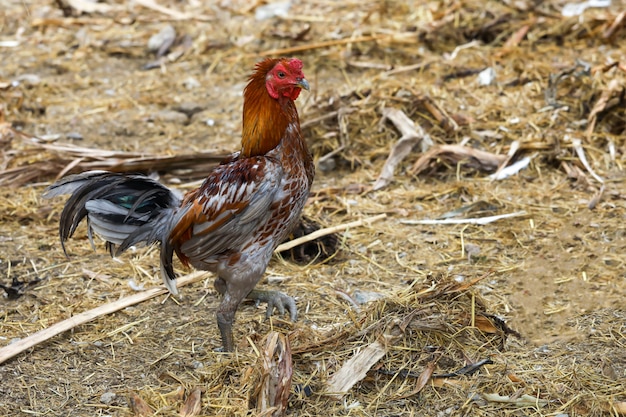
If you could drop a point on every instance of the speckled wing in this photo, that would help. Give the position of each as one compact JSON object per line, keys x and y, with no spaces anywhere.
{"x":221,"y":215}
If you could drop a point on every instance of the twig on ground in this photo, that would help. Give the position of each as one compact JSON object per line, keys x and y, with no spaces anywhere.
{"x":481,"y":220}
{"x":328,"y":231}
{"x":578,"y":147}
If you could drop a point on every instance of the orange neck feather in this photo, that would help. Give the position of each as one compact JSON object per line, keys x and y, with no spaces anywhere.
{"x":265,"y":119}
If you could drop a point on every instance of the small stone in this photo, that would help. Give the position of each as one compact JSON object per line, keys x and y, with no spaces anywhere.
{"x":29,"y":79}
{"x":327,"y":165}
{"x":362,"y":297}
{"x":487,"y":76}
{"x":74,"y":136}
{"x":107,"y":397}
{"x":170,"y":116}
{"x":472,"y":250}
{"x":134,"y":286}
{"x":267,"y":11}
{"x":191,"y":83}
{"x":165,"y":36}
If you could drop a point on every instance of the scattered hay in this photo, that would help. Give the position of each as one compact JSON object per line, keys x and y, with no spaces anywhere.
{"x":525,"y":111}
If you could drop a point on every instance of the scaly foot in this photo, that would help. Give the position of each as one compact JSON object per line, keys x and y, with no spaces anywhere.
{"x":275,"y":300}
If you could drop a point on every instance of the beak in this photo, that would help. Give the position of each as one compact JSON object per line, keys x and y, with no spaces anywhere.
{"x":303,"y":83}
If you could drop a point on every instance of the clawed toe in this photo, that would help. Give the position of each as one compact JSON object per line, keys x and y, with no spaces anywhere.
{"x":276,"y":300}
{"x":283,"y":303}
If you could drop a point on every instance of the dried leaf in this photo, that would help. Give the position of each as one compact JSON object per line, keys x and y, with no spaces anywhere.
{"x":98,"y":276}
{"x":178,"y":394}
{"x":442,"y":382}
{"x":485,"y":325}
{"x":354,"y":370}
{"x":139,"y":406}
{"x":497,"y":323}
{"x":272,"y":396}
{"x":69,"y":158}
{"x":193,"y":404}
{"x":411,"y":136}
{"x":454,"y":154}
{"x":514,"y":378}
{"x":601,"y":104}
{"x":424,"y":377}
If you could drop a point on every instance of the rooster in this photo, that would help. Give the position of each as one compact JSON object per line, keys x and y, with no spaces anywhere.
{"x":232,"y":223}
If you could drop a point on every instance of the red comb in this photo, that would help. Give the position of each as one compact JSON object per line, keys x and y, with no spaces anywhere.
{"x":295,"y":64}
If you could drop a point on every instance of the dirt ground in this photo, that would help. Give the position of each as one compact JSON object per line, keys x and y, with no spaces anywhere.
{"x":555,"y":273}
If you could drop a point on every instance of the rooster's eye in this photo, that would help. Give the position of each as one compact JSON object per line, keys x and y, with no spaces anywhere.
{"x":281,"y":74}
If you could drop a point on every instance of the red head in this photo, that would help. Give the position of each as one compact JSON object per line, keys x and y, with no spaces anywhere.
{"x":283,"y":77}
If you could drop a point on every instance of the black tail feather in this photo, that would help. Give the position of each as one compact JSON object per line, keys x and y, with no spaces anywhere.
{"x":124,"y":209}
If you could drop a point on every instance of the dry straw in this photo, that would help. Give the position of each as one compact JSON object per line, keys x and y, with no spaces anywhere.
{"x":438,"y":116}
